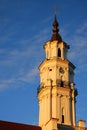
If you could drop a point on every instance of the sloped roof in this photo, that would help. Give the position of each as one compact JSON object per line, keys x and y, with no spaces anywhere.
{"x":5,"y":125}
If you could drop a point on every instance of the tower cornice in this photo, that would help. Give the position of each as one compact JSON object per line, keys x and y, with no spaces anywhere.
{"x":65,"y":61}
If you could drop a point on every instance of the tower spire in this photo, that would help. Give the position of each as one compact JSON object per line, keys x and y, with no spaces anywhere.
{"x":55,"y":35}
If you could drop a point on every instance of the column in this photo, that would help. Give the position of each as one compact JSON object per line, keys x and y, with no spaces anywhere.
{"x":73,"y":111}
{"x":59,"y":108}
{"x":69,"y":110}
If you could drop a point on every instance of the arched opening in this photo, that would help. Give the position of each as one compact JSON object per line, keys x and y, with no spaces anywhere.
{"x":62,"y":118}
{"x":62,"y":115}
{"x":62,"y":84}
{"x":59,"y":52}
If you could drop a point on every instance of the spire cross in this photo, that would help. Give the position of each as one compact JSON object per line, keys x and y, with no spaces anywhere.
{"x":55,"y":9}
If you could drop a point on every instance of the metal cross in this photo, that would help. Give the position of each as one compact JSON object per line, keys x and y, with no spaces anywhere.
{"x":55,"y":9}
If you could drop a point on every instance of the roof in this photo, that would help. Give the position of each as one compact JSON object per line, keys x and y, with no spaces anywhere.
{"x":56,"y":35}
{"x":5,"y":125}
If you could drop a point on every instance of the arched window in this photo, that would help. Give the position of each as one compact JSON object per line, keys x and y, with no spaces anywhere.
{"x":62,"y":115}
{"x":62,"y":118}
{"x":62,"y":84}
{"x":59,"y":52}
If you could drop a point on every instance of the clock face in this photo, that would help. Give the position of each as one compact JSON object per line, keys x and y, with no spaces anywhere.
{"x":61,"y":70}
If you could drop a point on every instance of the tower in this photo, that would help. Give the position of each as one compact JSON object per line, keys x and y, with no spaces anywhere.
{"x":56,"y":94}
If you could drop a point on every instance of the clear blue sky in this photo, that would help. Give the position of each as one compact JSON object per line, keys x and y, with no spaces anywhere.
{"x":25,"y":26}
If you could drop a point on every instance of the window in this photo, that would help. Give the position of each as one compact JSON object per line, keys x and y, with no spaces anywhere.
{"x":62,"y":118}
{"x":50,"y":69}
{"x":62,"y":84}
{"x":62,"y":115}
{"x":59,"y":52}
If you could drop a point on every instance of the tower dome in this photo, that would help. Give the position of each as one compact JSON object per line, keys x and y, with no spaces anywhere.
{"x":55,"y":35}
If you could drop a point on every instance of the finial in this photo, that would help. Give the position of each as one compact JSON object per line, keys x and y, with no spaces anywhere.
{"x":56,"y":35}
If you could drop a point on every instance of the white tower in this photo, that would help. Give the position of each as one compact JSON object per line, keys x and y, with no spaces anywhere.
{"x":56,"y":93}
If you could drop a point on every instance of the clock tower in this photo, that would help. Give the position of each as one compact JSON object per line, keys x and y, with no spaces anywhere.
{"x":56,"y":93}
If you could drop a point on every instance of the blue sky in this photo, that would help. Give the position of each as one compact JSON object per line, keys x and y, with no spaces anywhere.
{"x":25,"y":26}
